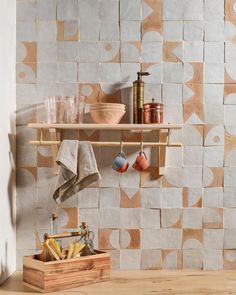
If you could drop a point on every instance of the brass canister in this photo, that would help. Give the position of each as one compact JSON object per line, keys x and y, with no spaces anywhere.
{"x":138,"y":98}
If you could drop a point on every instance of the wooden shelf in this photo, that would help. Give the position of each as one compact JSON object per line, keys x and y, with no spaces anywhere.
{"x":106,"y":126}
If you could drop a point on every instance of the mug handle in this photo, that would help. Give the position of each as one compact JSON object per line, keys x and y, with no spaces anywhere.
{"x":143,"y":153}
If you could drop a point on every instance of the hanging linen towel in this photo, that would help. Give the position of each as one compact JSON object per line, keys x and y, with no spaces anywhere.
{"x":78,"y":169}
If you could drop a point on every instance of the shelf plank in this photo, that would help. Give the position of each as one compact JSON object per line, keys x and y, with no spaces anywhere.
{"x":106,"y":126}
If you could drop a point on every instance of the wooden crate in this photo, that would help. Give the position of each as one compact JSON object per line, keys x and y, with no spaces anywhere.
{"x":57,"y":275}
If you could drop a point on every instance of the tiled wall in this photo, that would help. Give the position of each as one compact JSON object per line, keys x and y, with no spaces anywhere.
{"x":186,"y":219}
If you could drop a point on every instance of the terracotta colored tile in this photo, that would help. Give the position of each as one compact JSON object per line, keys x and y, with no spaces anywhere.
{"x":72,"y":217}
{"x":31,"y":52}
{"x":213,"y":218}
{"x":104,"y":239}
{"x":213,"y":135}
{"x":65,"y":32}
{"x":168,"y":51}
{"x":230,"y":259}
{"x":110,"y":52}
{"x":43,"y":161}
{"x":127,"y":201}
{"x":193,"y":109}
{"x":198,"y":72}
{"x":196,"y":234}
{"x":32,"y":170}
{"x":89,"y":136}
{"x":213,"y":176}
{"x":230,"y":13}
{"x":127,"y":136}
{"x":130,"y":239}
{"x":228,"y":79}
{"x":191,"y":198}
{"x":148,"y":26}
{"x":110,"y":97}
{"x":172,"y":259}
{"x":91,"y":91}
{"x":171,"y":218}
{"x":229,"y":89}
{"x":156,"y":10}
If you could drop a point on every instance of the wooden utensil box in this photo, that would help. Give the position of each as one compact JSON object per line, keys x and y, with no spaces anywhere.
{"x":58,"y":275}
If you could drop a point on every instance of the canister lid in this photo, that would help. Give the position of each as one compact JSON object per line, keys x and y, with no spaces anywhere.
{"x":153,"y":105}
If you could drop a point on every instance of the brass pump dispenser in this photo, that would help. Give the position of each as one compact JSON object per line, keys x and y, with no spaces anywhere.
{"x":138,"y":98}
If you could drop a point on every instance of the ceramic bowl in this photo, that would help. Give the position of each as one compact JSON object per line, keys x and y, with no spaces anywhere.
{"x":107,"y":116}
{"x":107,"y":106}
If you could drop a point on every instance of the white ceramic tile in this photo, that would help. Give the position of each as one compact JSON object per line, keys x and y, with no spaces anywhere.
{"x":214,"y":52}
{"x":25,"y":31}
{"x":46,"y":52}
{"x":229,"y":218}
{"x":229,"y":238}
{"x":193,"y":10}
{"x":192,"y":177}
{"x":193,"y":259}
{"x":214,"y":10}
{"x":173,"y":114}
{"x":193,"y":51}
{"x":192,"y":218}
{"x":150,"y":239}
{"x":230,"y":48}
{"x":151,"y":52}
{"x":129,"y":218}
{"x":213,"y":238}
{"x":89,"y":30}
{"x":26,"y":93}
{"x":88,"y":72}
{"x":130,"y":31}
{"x":88,"y":52}
{"x":109,"y":31}
{"x":67,"y":89}
{"x":109,"y":10}
{"x":129,"y":71}
{"x":213,"y":156}
{"x":25,"y":74}
{"x":171,"y":238}
{"x":151,"y":259}
{"x":67,"y":51}
{"x":172,"y":94}
{"x":151,"y":198}
{"x":130,"y":259}
{"x":25,"y":10}
{"x":173,"y":30}
{"x":213,"y":93}
{"x":67,"y":72}
{"x":214,"y":114}
{"x":213,"y":197}
{"x":214,"y":31}
{"x":91,"y":215}
{"x":171,"y":198}
{"x":172,"y":72}
{"x":67,"y":9}
{"x":213,"y":260}
{"x":229,"y":114}
{"x":88,"y":198}
{"x":174,"y":157}
{"x":193,"y":30}
{"x":230,"y":197}
{"x":110,"y":73}
{"x":149,"y":218}
{"x":192,"y":156}
{"x":46,"y":9}
{"x":173,"y":9}
{"x":89,"y":10}
{"x":109,"y":197}
{"x":230,"y":31}
{"x":109,"y":218}
{"x":213,"y":73}
{"x":155,"y":71}
{"x":47,"y":31}
{"x":152,"y":91}
{"x":130,"y":10}
{"x":46,"y":72}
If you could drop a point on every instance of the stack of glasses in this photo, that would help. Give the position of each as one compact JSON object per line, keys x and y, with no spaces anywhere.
{"x":64,"y":109}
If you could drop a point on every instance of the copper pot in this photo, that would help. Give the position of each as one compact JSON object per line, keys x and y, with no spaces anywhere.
{"x":153,"y":113}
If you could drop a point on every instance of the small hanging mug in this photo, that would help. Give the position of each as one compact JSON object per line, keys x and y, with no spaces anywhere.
{"x":141,"y":162}
{"x":120,"y":163}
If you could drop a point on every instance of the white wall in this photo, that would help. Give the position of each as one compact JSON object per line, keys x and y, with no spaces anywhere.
{"x":7,"y":138}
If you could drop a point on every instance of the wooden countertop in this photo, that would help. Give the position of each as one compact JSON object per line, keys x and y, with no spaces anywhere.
{"x":144,"y":283}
